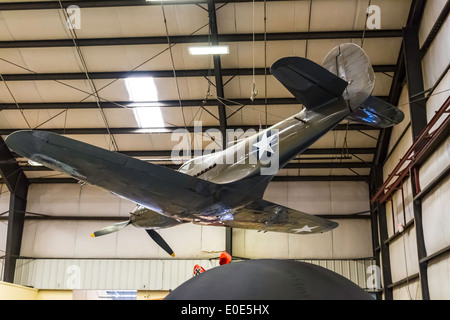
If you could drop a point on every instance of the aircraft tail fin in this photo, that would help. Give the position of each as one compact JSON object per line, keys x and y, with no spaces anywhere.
{"x":346,"y":71}
{"x":349,"y":62}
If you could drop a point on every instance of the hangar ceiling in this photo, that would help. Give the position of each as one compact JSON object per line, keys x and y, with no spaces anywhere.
{"x":73,"y":81}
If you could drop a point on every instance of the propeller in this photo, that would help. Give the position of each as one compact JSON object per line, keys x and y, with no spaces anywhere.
{"x":110,"y":229}
{"x":120,"y":225}
{"x":160,"y":241}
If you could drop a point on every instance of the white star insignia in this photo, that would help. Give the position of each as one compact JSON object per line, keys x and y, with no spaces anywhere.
{"x":263,"y":145}
{"x":306,"y":228}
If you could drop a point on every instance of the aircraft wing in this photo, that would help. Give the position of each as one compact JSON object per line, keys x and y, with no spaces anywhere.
{"x":125,"y":176}
{"x":268,"y":216}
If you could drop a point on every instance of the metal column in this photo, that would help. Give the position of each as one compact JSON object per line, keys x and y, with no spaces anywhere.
{"x":17,"y":184}
{"x":417,"y":107}
{"x":220,"y":94}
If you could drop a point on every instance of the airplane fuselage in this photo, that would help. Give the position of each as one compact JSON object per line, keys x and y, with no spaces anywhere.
{"x":293,"y":135}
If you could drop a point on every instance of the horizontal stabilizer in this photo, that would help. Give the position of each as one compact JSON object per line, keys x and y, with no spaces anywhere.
{"x":378,"y":113}
{"x":311,"y":84}
{"x":268,"y":216}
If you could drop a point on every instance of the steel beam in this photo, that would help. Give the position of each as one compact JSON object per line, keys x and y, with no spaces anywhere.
{"x":385,"y":263}
{"x":417,"y":108}
{"x":17,"y":182}
{"x":413,"y":66}
{"x":164,"y":103}
{"x":312,"y":151}
{"x":156,"y":74}
{"x":276,"y":178}
{"x":291,"y":165}
{"x":218,"y":72}
{"x":242,"y":37}
{"x":45,"y":5}
{"x":339,"y":127}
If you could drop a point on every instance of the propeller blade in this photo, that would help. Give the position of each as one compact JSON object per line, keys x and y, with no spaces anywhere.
{"x":110,"y":229}
{"x":160,"y":241}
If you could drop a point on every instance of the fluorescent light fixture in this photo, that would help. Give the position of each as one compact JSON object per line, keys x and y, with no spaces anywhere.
{"x":209,"y":50}
{"x":143,"y":92}
{"x":142,"y":89}
{"x":149,"y":117}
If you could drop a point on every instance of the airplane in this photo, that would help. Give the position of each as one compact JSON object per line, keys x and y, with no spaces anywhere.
{"x":213,"y":192}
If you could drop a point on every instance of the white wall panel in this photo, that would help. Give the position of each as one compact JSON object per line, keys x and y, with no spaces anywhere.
{"x":437,"y":99}
{"x":397,"y":153}
{"x":75,"y":200}
{"x":95,"y":274}
{"x":436,"y":217}
{"x":321,"y":197}
{"x":437,"y":57}
{"x":439,"y":277}
{"x":397,"y":130}
{"x":106,"y":274}
{"x":403,"y":255}
{"x":409,"y":291}
{"x":352,"y":239}
{"x":403,"y":208}
{"x":430,"y":14}
{"x":71,"y":239}
{"x":435,"y":164}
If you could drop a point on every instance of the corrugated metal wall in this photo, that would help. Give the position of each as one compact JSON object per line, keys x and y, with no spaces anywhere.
{"x":105,"y":273}
{"x":142,"y":274}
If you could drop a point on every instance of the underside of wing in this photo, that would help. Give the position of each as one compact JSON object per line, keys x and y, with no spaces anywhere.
{"x":268,"y":216}
{"x":150,"y":185}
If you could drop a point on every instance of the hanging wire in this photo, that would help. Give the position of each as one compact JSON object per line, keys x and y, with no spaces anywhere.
{"x":15,"y":100}
{"x":173,"y":64}
{"x":265,"y":63}
{"x":74,"y":37}
{"x":309,"y":28}
{"x":254,"y":92}
{"x":105,"y":86}
{"x":365,"y":24}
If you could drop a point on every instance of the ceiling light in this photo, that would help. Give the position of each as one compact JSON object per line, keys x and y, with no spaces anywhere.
{"x":149,"y":117}
{"x":141,"y":89}
{"x":209,"y":50}
{"x":146,"y":111}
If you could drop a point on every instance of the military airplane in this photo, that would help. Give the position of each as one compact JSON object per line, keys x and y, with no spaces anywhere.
{"x":213,"y":191}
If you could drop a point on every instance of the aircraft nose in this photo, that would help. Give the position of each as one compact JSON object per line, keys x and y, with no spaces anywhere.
{"x":23,"y":142}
